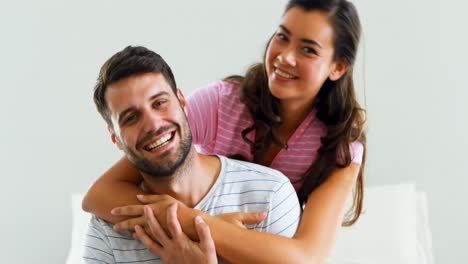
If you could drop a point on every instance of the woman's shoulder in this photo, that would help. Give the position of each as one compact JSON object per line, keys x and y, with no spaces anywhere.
{"x":221,"y":88}
{"x":229,"y":88}
{"x":357,"y":152}
{"x":222,"y":95}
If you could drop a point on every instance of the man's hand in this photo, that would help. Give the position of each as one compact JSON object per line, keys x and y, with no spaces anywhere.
{"x":178,"y":248}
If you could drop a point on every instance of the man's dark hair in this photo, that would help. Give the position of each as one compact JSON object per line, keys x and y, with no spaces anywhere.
{"x":128,"y":62}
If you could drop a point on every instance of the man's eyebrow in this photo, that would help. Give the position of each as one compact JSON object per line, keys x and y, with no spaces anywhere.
{"x":131,"y":108}
{"x":308,"y":41}
{"x":158,"y":94}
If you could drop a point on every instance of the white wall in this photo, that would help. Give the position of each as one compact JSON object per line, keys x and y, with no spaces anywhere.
{"x":416,"y":98}
{"x":54,"y":143}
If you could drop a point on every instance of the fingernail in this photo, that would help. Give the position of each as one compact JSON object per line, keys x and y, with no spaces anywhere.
{"x":116,"y":228}
{"x":263,"y":214}
{"x":198,"y":219}
{"x":114,"y":211}
{"x":140,"y":196}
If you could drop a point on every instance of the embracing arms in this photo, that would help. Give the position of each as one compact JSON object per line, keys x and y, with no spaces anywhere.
{"x":312,"y":243}
{"x":314,"y":238}
{"x":116,"y":187}
{"x":321,"y":219}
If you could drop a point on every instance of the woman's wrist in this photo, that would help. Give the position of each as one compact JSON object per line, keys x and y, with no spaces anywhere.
{"x":186,"y":217}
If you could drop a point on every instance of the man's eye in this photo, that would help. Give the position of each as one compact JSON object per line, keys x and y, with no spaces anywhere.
{"x":130,"y":118}
{"x":159,"y":103}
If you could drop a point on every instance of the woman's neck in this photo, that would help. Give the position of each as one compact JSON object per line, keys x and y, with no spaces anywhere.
{"x":292,"y":113}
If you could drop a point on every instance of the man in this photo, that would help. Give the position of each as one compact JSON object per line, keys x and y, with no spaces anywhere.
{"x":146,"y":115}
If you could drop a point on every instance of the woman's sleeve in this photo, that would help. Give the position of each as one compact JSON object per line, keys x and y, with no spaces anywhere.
{"x":357,"y":150}
{"x":203,"y":107}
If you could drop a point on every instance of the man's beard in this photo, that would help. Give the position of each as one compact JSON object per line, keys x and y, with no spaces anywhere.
{"x":168,"y":167}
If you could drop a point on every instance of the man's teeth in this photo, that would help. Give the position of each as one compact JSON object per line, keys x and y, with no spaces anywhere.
{"x":284,"y":74}
{"x":160,"y":142}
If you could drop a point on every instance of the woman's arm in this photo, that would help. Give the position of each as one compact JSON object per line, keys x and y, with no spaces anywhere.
{"x":320,"y":222}
{"x":116,"y":187}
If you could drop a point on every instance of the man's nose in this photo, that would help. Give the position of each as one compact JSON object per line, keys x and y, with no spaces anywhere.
{"x":151,"y":122}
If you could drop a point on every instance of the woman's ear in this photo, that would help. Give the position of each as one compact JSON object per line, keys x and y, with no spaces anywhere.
{"x":339,"y":68}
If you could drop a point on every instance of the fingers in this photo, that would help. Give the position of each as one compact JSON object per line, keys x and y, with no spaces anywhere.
{"x":203,"y":231}
{"x":130,"y":223}
{"x":152,"y":246}
{"x":252,"y":218}
{"x":148,"y":232}
{"x":156,"y":230}
{"x":242,"y":219}
{"x":129,"y":210}
{"x":173,"y":222}
{"x":152,"y":198}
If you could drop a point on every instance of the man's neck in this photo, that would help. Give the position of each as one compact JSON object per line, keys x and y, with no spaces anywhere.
{"x":190,"y":182}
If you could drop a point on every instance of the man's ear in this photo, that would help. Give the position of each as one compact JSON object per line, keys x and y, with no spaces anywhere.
{"x":114,"y":137}
{"x":182,"y":100}
{"x":339,"y":68}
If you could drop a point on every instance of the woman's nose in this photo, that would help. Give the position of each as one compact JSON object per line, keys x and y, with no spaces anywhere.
{"x":287,"y":57}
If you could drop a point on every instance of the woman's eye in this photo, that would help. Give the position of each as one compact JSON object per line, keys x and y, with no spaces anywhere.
{"x":309,"y":50}
{"x":281,"y":36}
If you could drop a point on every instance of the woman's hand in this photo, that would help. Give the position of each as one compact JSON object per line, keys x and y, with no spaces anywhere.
{"x":158,"y":203}
{"x":242,"y":219}
{"x":178,"y":248}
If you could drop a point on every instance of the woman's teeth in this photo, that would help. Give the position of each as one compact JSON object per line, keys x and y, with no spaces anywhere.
{"x":284,"y":74}
{"x":160,"y":142}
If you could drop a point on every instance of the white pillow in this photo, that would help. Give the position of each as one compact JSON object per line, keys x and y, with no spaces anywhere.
{"x":424,"y":232}
{"x":388,"y":229}
{"x":80,"y":224}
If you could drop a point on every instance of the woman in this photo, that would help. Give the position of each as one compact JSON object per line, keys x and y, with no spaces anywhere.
{"x":296,"y":112}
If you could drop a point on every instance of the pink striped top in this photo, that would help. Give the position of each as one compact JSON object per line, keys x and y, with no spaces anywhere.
{"x":217,"y":118}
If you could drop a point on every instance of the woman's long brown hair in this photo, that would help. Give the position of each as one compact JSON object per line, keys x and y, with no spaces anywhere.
{"x":336,"y":104}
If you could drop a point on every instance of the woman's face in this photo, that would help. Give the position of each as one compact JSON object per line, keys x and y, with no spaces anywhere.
{"x":299,"y":57}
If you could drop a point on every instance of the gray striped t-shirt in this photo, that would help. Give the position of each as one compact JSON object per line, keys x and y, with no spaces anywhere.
{"x":240,"y":187}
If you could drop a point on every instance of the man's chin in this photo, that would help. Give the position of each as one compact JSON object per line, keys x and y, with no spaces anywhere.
{"x":159,"y":167}
{"x":157,"y":171}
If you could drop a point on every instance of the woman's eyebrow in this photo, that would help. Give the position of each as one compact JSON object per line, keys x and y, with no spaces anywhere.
{"x":305,"y":40}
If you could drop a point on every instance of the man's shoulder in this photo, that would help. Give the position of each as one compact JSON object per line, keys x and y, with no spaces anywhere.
{"x":99,"y":222}
{"x":104,"y":244}
{"x":248,"y":171}
{"x":249,"y":187}
{"x":107,"y":229}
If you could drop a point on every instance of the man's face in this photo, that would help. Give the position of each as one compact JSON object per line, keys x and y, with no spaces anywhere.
{"x":149,"y":123}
